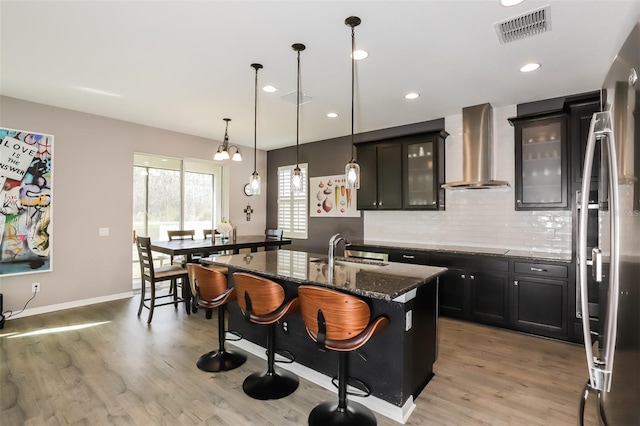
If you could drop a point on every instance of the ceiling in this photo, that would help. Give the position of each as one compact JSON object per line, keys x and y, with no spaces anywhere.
{"x":185,"y":65}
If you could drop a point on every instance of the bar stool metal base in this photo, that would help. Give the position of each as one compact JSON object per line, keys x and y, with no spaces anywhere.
{"x":328,"y":414}
{"x":216,"y":361}
{"x":265,"y":386}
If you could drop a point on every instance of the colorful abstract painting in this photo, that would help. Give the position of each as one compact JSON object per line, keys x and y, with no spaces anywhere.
{"x":26,"y":178}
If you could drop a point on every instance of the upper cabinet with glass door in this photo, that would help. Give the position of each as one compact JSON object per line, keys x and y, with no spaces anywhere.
{"x":541,"y":162}
{"x":423,"y":172}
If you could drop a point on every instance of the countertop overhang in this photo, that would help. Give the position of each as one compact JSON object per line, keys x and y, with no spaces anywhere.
{"x":378,"y":280}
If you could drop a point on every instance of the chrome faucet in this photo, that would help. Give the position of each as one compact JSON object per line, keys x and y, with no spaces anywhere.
{"x":333,"y":243}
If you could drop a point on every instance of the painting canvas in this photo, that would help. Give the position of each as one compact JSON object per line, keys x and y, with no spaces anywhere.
{"x":26,"y":178}
{"x":330,"y":197}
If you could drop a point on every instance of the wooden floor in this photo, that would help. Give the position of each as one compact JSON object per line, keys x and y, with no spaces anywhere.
{"x":122,"y":372}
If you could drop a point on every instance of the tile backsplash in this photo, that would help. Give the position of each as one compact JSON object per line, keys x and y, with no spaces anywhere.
{"x":477,"y":218}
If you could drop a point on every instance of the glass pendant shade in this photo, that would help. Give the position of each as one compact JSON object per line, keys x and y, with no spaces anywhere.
{"x":255,"y":183}
{"x":236,"y":157}
{"x":352,"y":171}
{"x":296,"y":180}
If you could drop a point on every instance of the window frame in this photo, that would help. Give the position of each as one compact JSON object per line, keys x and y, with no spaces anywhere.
{"x":297,"y":224}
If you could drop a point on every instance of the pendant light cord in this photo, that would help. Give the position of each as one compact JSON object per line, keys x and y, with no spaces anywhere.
{"x":255,"y":121}
{"x":353,"y":67}
{"x":298,"y":113}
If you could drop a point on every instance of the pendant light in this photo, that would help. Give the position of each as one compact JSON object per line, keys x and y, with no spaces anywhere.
{"x":255,"y":177}
{"x":296,"y":177}
{"x":352,"y":169}
{"x":223,"y":150}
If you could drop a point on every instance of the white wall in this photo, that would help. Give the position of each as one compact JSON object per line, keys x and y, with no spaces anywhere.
{"x":477,"y":218}
{"x":93,"y":181}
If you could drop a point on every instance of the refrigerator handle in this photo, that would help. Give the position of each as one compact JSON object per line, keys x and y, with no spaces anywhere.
{"x":581,"y":251}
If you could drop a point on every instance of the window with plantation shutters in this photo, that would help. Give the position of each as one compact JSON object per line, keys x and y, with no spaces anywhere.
{"x":292,"y":208}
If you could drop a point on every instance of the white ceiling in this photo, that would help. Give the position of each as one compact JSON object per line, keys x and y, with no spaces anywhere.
{"x":185,"y":65}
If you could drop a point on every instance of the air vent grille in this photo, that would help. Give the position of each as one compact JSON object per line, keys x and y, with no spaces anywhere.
{"x":292,"y":98}
{"x":529,"y":24}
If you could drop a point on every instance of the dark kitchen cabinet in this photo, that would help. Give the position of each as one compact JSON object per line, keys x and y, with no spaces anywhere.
{"x":380,"y":176}
{"x":402,"y":173}
{"x":581,"y":115}
{"x":540,"y":298}
{"x":541,"y":178}
{"x":423,"y":172}
{"x":474,"y":287}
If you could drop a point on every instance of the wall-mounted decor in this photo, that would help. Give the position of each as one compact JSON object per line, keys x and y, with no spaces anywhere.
{"x":26,"y":176}
{"x":330,"y":197}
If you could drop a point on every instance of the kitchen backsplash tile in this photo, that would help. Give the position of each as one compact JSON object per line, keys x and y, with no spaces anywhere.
{"x":477,"y":218}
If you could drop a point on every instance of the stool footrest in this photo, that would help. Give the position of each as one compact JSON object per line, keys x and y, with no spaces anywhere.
{"x":365,"y":389}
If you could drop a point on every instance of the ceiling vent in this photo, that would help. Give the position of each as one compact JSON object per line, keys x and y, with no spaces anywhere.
{"x":291,"y":98}
{"x":523,"y":26}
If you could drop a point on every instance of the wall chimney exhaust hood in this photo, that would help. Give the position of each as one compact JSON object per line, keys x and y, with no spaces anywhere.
{"x":477,"y":154}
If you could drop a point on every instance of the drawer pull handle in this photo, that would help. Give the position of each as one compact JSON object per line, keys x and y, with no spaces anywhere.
{"x":538,"y":269}
{"x":515,"y":283}
{"x":407,"y":256}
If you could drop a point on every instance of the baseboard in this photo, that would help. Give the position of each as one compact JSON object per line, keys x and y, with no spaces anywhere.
{"x":69,"y":305}
{"x":398,"y":414}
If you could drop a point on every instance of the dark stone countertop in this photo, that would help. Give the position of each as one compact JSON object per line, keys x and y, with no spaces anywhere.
{"x":378,"y":280}
{"x":466,"y":250}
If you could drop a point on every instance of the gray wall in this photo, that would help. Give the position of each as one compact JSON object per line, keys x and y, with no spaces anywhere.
{"x":93,"y":188}
{"x":328,"y":157}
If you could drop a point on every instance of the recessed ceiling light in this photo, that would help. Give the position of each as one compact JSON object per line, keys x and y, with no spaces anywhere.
{"x":269,"y":89}
{"x":412,"y":95}
{"x":98,"y":91}
{"x":508,"y":3}
{"x":360,"y":54}
{"x":332,"y":114}
{"x":530,"y":67}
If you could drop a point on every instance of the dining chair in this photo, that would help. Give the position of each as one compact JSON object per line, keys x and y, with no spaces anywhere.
{"x":152,"y":275}
{"x":180,"y":234}
{"x":273,"y":234}
{"x":341,"y":323}
{"x":209,"y":233}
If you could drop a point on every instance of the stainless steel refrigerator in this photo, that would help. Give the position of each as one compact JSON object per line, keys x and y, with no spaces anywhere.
{"x":613,"y":348}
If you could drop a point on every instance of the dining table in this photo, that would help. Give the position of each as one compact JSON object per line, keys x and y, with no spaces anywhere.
{"x":206,"y":247}
{"x":193,"y":250}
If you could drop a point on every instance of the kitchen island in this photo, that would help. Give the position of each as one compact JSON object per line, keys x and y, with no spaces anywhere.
{"x":396,"y":364}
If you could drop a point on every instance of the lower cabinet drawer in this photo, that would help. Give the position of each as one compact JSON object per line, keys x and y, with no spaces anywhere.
{"x":418,"y":258}
{"x":541,"y":269}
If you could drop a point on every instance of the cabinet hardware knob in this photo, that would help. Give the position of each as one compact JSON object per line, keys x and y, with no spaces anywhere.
{"x":462,"y":275}
{"x":515,"y":283}
{"x":538,"y":269}
{"x":518,"y":201}
{"x":472,"y":277}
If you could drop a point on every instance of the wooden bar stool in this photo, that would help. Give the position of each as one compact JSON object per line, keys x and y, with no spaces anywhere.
{"x":262,"y":302}
{"x":338,"y":322}
{"x":210,"y":291}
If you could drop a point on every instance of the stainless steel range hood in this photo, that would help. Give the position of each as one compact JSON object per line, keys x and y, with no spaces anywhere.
{"x":477,"y":154}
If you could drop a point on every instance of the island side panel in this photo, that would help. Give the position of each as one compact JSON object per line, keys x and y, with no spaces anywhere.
{"x":386,"y":370}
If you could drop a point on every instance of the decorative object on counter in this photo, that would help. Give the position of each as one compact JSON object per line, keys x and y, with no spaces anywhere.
{"x":223,"y":150}
{"x":330,"y":196}
{"x":297,"y":179}
{"x":255,"y":177}
{"x":248,"y":211}
{"x":224,"y":228}
{"x":352,"y":169}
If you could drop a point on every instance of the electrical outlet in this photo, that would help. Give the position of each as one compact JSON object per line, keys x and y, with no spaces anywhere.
{"x":35,"y":287}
